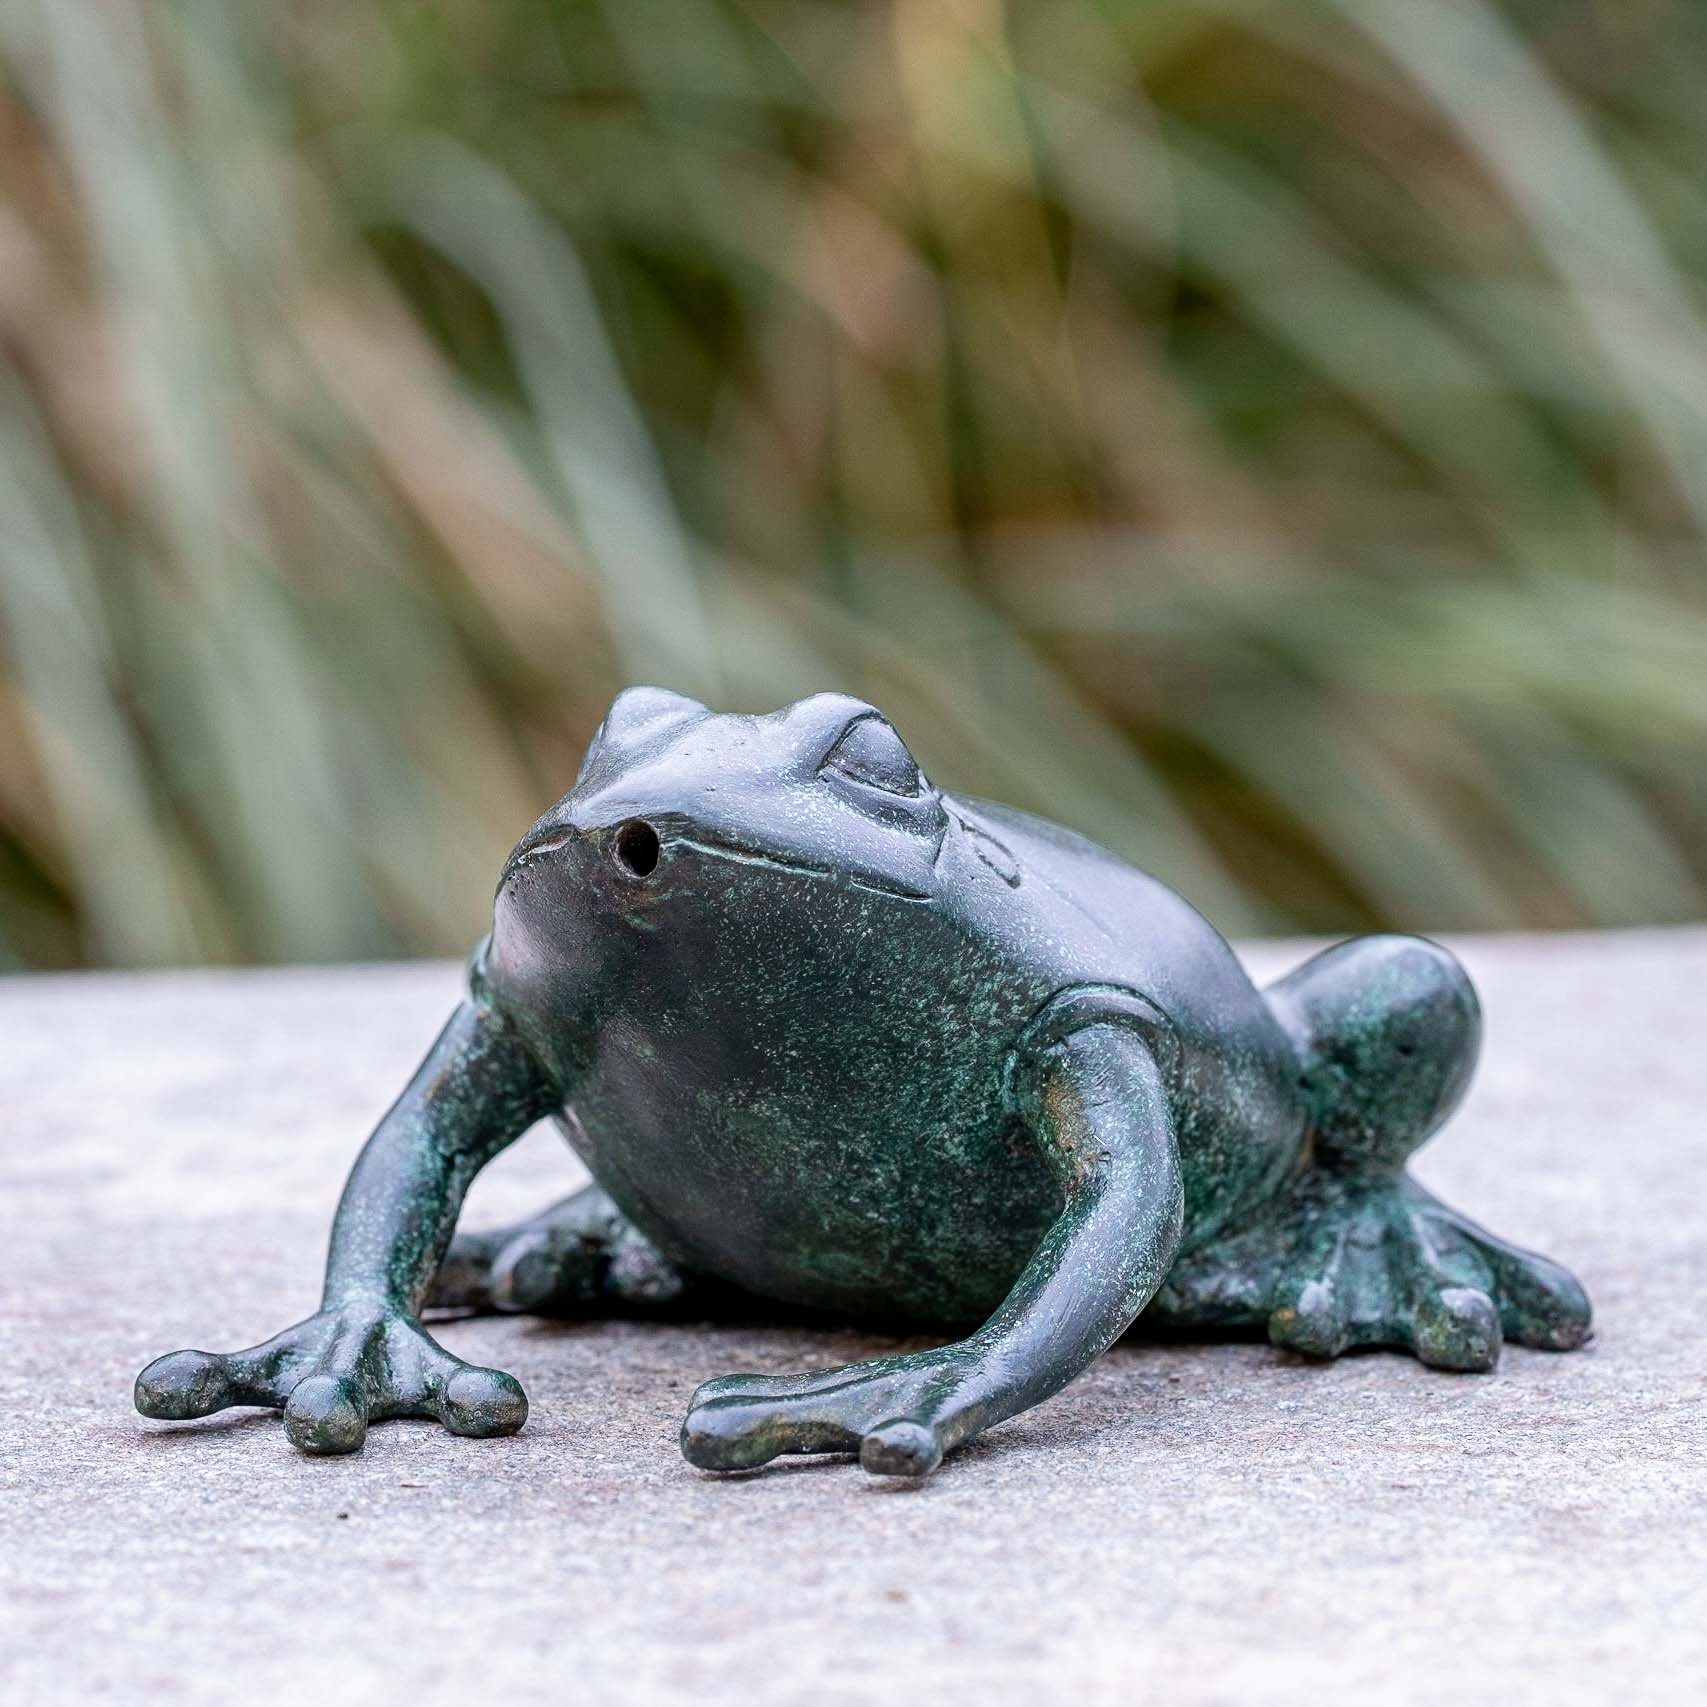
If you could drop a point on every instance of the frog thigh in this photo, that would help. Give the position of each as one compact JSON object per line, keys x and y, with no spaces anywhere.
{"x":1354,"y":1252}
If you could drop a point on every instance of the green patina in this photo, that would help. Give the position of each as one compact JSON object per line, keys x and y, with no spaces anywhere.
{"x":828,"y":1037}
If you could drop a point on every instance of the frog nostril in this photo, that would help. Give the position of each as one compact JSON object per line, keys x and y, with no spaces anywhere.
{"x":636,"y":848}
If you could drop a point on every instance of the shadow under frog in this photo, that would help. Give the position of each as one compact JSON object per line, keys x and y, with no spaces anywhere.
{"x":826,"y":1035}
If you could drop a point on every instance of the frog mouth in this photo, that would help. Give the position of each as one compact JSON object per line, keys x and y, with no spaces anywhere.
{"x":799,"y":868}
{"x":643,"y":863}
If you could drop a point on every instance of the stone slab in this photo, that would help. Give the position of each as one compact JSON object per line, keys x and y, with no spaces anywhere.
{"x":1184,"y":1525}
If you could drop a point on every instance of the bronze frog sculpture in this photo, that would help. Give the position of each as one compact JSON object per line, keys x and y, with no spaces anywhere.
{"x":827,"y":1035}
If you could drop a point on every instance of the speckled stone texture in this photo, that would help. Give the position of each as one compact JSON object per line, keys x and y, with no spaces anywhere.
{"x":1184,"y":1525}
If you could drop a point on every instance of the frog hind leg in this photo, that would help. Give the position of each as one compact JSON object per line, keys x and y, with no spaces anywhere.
{"x":1354,"y":1252}
{"x":580,"y":1257}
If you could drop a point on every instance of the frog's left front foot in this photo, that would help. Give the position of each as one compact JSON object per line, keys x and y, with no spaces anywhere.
{"x":899,"y":1414}
{"x":1341,"y":1263}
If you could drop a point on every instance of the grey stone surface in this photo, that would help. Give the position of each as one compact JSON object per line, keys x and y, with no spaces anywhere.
{"x":1185,"y":1525}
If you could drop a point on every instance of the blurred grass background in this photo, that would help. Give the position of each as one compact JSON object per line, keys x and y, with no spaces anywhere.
{"x":1270,"y":438}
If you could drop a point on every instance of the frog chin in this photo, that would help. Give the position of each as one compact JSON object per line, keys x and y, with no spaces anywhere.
{"x":872,"y":882}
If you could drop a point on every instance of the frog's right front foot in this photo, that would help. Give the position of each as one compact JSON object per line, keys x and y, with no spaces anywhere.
{"x":334,"y":1374}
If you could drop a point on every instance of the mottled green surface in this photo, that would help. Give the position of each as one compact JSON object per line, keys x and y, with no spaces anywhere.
{"x":829,"y":1037}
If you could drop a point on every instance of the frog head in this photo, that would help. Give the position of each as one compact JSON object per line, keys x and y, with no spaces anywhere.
{"x":677,"y":805}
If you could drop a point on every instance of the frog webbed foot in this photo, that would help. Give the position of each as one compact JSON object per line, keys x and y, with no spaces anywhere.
{"x":899,"y":1414}
{"x":1389,"y":1264}
{"x":531,"y":1268}
{"x":576,"y":1258}
{"x":1346,"y":1262}
{"x":1355,"y":1252}
{"x":333,"y":1374}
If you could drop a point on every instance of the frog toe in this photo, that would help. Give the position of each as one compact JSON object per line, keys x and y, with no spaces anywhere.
{"x":885,"y":1411}
{"x":528,"y":1273}
{"x":1455,"y":1327}
{"x":184,"y":1385}
{"x":901,"y":1447}
{"x":1539,"y":1302}
{"x":739,"y":1422}
{"x":1443,"y":1293}
{"x":421,"y":1379}
{"x":735,"y":1430}
{"x":1310,"y":1318}
{"x":1319,"y":1289}
{"x":326,"y":1416}
{"x":481,"y":1403}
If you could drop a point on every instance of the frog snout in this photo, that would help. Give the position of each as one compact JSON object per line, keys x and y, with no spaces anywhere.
{"x":635,"y":848}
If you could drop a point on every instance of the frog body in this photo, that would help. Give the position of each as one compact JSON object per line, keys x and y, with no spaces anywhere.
{"x":826,"y":1035}
{"x":820,"y":1112}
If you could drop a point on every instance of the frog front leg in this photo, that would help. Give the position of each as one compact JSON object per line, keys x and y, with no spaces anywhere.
{"x":364,"y":1355}
{"x":1096,"y":1102}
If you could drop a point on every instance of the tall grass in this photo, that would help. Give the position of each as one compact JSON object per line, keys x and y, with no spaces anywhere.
{"x":1270,"y":438}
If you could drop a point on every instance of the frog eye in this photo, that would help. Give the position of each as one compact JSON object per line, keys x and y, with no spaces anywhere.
{"x":869,"y":751}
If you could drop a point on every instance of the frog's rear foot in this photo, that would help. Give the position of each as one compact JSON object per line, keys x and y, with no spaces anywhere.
{"x":580,"y":1257}
{"x":1341,"y":1263}
{"x":1354,"y":1252}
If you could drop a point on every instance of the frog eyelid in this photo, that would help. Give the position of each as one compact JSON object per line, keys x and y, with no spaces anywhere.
{"x":591,"y":752}
{"x":852,"y":768}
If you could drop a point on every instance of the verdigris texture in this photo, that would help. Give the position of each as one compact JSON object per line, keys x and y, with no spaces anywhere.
{"x":827,"y":1036}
